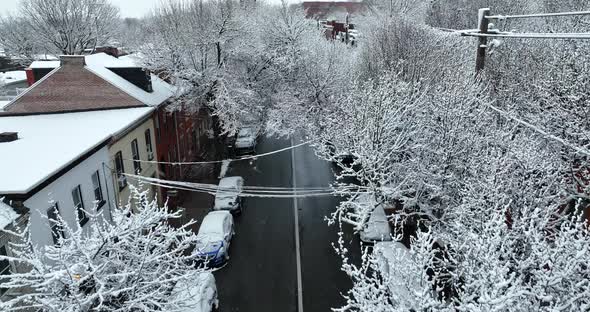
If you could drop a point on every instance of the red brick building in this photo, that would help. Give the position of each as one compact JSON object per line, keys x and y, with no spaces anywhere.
{"x":107,"y":82}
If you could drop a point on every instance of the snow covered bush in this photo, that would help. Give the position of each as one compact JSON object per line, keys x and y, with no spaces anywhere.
{"x":131,"y":264}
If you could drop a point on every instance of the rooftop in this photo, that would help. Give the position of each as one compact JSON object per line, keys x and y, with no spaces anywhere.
{"x":47,"y":143}
{"x":60,"y":90}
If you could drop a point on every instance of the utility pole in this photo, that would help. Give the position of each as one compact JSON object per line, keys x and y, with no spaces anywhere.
{"x":483,"y":23}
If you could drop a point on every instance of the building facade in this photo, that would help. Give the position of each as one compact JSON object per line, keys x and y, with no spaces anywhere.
{"x":131,"y":153}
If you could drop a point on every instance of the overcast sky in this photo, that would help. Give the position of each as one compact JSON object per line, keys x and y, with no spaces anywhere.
{"x":129,"y":8}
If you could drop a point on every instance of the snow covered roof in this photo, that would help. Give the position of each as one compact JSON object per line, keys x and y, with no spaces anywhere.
{"x":100,"y":63}
{"x":106,"y":60}
{"x":49,"y":142}
{"x":44,"y":64}
{"x":2,"y":104}
{"x":70,"y":88}
{"x":7,"y":214}
{"x":13,"y":76}
{"x":161,"y":90}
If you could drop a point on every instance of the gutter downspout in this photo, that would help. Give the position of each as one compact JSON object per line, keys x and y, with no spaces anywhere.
{"x":177,"y":146}
{"x":108,"y":193}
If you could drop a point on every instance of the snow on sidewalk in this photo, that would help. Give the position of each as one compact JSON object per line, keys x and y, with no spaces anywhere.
{"x":224,"y":167}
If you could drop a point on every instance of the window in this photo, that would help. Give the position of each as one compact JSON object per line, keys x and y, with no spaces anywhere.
{"x":148,"y":144}
{"x":135,"y":152}
{"x":79,"y":204}
{"x":97,"y":189}
{"x":120,"y":168}
{"x":157,"y":126}
{"x":4,"y":266}
{"x":56,"y":229}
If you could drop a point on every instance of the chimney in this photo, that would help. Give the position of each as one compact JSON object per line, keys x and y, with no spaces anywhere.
{"x":72,"y":60}
{"x":30,"y":76}
{"x":8,"y":137}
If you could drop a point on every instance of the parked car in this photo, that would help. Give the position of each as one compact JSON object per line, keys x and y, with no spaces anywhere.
{"x":246,"y":140}
{"x":376,"y":229}
{"x":346,"y":158}
{"x":400,"y":273}
{"x":197,"y":294}
{"x":213,"y":239}
{"x":227,"y":196}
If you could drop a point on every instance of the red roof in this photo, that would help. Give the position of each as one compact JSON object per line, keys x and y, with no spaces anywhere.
{"x":71,"y":88}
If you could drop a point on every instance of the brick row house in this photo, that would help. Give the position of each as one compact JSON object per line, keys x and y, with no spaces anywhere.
{"x":74,"y":139}
{"x":179,"y":135}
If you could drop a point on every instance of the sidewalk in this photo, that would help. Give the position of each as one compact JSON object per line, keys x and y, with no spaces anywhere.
{"x":197,"y":204}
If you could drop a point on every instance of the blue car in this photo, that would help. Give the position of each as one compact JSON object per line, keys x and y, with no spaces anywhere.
{"x":213,"y":239}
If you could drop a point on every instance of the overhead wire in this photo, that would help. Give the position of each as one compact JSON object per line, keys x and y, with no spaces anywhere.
{"x":504,"y":17}
{"x":546,"y":134}
{"x":249,"y":157}
{"x":564,"y":36}
{"x":246,"y":191}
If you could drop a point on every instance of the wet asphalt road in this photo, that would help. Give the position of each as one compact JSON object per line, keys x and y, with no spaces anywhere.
{"x":261,"y":275}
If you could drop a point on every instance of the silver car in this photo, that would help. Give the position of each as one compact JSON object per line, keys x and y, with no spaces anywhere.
{"x":246,"y":140}
{"x":228,"y":195}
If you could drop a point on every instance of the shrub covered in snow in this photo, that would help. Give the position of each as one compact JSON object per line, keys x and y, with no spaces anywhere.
{"x":130,"y":264}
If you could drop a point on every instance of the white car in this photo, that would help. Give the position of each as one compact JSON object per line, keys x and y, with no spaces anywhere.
{"x":401,"y":274}
{"x":196,"y":293}
{"x":227,"y":196}
{"x":213,"y":239}
{"x":377,"y":228}
{"x":246,"y":140}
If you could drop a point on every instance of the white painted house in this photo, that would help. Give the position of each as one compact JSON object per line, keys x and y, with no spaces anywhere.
{"x":59,"y":163}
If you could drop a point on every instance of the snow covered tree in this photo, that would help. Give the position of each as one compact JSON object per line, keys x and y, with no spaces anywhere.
{"x":312,"y":72}
{"x":62,"y":26}
{"x":191,"y":43}
{"x":493,"y":192}
{"x":131,"y":264}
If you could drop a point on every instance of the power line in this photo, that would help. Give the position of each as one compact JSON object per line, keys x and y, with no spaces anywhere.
{"x":547,"y":135}
{"x":248,"y":188}
{"x":220,"y":161}
{"x":504,"y":17}
{"x":563,"y":36}
{"x":247,"y":191}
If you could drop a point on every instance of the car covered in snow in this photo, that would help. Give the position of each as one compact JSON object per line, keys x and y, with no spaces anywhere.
{"x":340,"y":156}
{"x":400,"y":273}
{"x":246,"y":140}
{"x":227,"y":196}
{"x":376,"y":228}
{"x":368,"y":218}
{"x":213,"y":239}
{"x":196,"y":293}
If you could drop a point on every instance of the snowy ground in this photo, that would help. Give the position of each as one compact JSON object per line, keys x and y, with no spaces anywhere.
{"x":224,"y":167}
